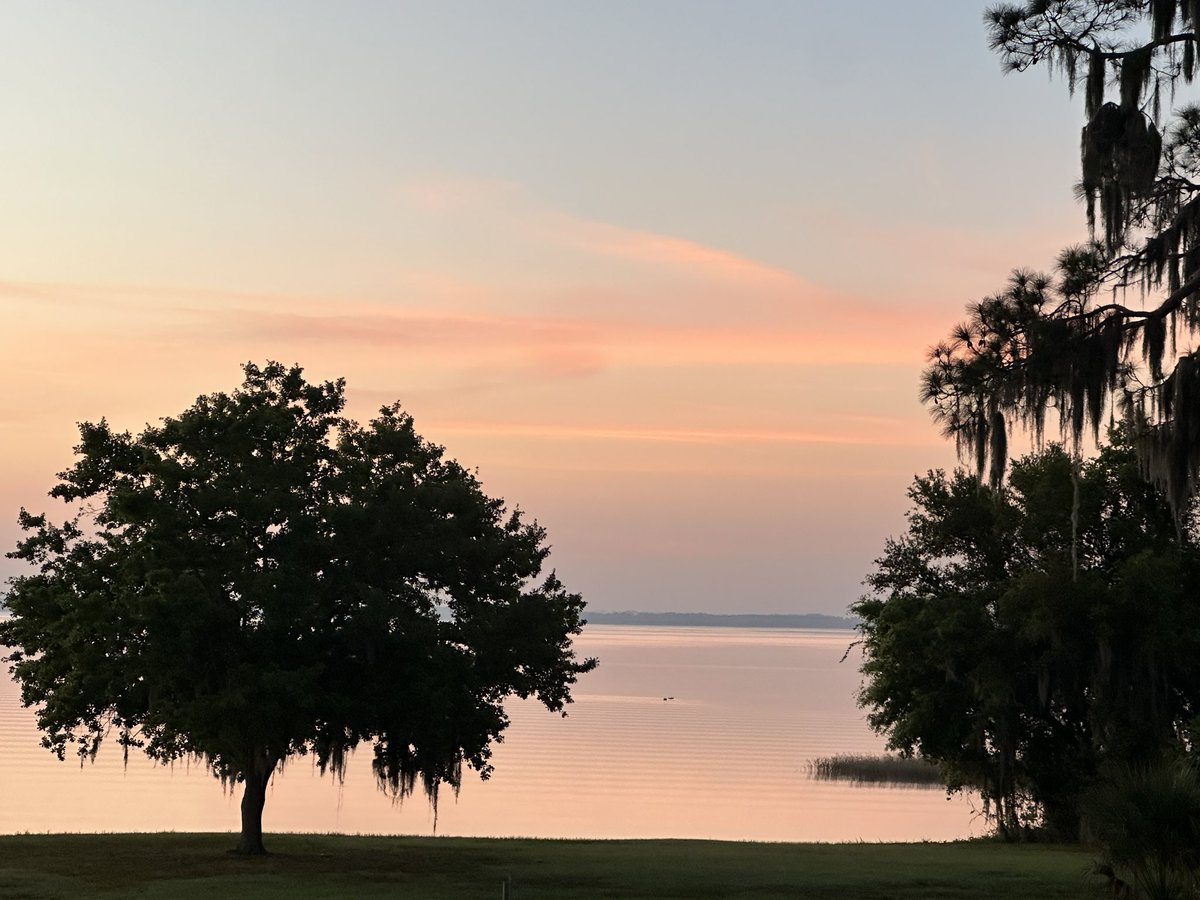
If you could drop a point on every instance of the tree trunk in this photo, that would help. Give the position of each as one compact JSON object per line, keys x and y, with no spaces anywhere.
{"x":254,"y":797}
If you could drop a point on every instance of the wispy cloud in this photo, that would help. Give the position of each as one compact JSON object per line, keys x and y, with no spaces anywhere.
{"x":664,"y":336}
{"x":835,"y":334}
{"x":665,"y":250}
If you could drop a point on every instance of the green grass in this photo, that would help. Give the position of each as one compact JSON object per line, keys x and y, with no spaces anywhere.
{"x":184,"y":866}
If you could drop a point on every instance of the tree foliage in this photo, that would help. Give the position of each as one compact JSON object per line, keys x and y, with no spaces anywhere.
{"x":1008,"y":639}
{"x":1092,"y":340}
{"x":261,"y":577}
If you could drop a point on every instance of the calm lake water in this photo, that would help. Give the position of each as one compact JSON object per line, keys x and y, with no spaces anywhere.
{"x":726,"y":758}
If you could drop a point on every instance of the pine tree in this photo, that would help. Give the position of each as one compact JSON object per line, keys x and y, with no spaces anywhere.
{"x":1094,"y":340}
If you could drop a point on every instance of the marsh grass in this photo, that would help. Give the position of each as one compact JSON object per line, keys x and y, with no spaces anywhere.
{"x":302,"y":867}
{"x":860,"y":769}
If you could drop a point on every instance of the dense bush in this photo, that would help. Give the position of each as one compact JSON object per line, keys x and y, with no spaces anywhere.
{"x":1146,"y":820}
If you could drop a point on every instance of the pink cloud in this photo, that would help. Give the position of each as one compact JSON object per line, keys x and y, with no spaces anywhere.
{"x":603,"y":239}
{"x":508,"y":200}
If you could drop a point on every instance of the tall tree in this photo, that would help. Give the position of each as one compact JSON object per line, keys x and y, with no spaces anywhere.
{"x":261,"y":577}
{"x":1094,"y":340}
{"x":1008,"y":640}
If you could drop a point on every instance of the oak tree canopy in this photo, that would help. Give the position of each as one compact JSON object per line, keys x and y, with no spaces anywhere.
{"x":260,"y":577}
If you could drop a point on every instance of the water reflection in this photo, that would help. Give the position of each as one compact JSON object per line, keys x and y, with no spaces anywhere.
{"x":726,"y":758}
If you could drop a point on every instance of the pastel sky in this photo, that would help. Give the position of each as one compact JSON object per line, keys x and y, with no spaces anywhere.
{"x":664,"y":272}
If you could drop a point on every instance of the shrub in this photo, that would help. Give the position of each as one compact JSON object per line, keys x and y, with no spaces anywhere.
{"x":1146,"y":821}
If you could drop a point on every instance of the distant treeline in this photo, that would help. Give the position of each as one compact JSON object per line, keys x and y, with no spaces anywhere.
{"x":806,"y":620}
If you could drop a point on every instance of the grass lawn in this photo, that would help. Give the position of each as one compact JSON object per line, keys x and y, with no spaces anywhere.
{"x":315,"y":866}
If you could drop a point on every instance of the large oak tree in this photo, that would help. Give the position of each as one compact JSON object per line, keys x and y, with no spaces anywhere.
{"x":260,"y":577}
{"x":1008,"y":637}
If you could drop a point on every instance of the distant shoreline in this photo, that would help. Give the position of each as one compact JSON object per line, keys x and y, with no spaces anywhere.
{"x":716,"y":620}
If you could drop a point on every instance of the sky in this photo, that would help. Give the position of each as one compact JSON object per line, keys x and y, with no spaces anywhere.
{"x":665,"y":273}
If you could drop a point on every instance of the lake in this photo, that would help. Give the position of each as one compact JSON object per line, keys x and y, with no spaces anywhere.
{"x":725,"y":757}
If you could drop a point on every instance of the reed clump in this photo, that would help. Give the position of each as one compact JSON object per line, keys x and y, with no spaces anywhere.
{"x":881,"y":769}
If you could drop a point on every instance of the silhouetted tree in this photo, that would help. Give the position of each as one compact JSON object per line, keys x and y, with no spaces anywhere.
{"x":1098,"y":334}
{"x":260,"y":577}
{"x":1008,"y":638}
